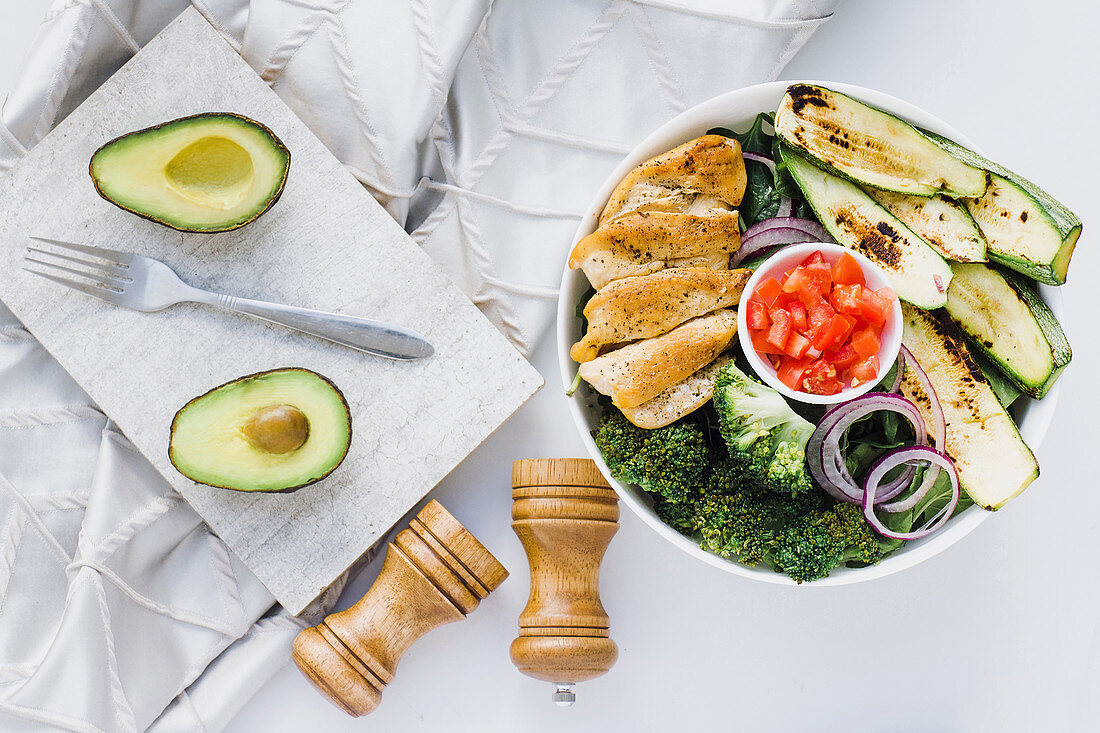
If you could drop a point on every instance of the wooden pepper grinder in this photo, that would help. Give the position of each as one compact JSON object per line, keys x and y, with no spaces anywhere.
{"x":435,"y":572}
{"x":565,"y":515}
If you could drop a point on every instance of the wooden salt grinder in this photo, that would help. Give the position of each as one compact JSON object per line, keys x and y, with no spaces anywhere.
{"x":565,"y":515}
{"x":435,"y":572}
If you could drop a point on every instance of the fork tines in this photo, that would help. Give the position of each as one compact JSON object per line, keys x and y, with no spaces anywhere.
{"x":107,"y":278}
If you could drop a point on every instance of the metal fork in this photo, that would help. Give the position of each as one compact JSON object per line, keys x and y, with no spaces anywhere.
{"x":144,"y":284}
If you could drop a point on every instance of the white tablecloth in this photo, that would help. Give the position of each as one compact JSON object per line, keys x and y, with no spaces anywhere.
{"x":484,"y":131}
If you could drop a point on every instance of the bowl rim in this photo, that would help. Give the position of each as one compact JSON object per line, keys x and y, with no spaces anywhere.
{"x":888,"y":349}
{"x":690,"y":123}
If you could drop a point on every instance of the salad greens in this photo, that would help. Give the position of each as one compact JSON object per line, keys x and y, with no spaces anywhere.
{"x":764,"y":190}
{"x":706,"y":483}
{"x":705,"y":480}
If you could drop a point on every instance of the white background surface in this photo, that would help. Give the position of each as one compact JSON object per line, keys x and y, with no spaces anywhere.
{"x":998,"y":633}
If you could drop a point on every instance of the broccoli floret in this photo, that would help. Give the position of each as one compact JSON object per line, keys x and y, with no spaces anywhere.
{"x":680,"y":515}
{"x":764,"y":435}
{"x":809,"y":547}
{"x":671,"y":461}
{"x":737,"y":525}
{"x":744,"y":506}
{"x":740,"y":518}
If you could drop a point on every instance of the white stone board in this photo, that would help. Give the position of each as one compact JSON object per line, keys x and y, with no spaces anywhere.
{"x":326,"y":244}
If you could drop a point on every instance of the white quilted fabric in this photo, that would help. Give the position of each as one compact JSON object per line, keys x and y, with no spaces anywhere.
{"x":483,"y":127}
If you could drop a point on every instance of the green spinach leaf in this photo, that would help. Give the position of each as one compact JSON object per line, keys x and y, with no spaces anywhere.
{"x":765,"y":190}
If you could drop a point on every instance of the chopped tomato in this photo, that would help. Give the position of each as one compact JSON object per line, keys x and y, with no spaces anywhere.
{"x":756,"y":315}
{"x":819,"y":324}
{"x":850,"y":324}
{"x":866,"y":342}
{"x":787,"y":299}
{"x":833,"y":335}
{"x":819,"y":315}
{"x":769,"y":290}
{"x":792,"y":287}
{"x":875,"y":306}
{"x":797,"y":345}
{"x":780,"y":328}
{"x":760,"y":343}
{"x":814,"y":258}
{"x":847,"y":299}
{"x":843,"y":357}
{"x":847,"y":271}
{"x":798,"y":316}
{"x":864,"y":371}
{"x":790,"y":371}
{"x":820,"y":378}
{"x":813,"y":279}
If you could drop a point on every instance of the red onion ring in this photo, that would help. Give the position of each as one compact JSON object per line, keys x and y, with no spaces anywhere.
{"x":897,"y":458}
{"x":789,"y":222}
{"x":760,"y":158}
{"x":785,"y":207}
{"x":760,"y":241}
{"x":938,"y":423}
{"x":826,"y":461}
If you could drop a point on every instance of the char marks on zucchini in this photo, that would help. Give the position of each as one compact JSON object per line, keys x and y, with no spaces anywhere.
{"x":917,"y":273}
{"x":869,"y":146}
{"x":993,"y":462}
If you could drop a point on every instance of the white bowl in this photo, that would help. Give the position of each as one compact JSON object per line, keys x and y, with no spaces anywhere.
{"x":738,"y":109}
{"x":786,"y":259}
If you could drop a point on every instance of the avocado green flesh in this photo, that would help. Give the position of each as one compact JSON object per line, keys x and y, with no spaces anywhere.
{"x":993,"y":462}
{"x":916,"y":272}
{"x":206,"y":173}
{"x":208,"y":442}
{"x":1010,"y":323}
{"x":869,"y":146}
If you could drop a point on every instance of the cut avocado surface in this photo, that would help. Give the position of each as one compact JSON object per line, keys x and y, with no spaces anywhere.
{"x":207,"y":173}
{"x":272,"y":431}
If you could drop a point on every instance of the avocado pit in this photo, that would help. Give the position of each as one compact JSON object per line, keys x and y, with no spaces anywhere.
{"x":210,"y":172}
{"x":277,"y":429}
{"x":213,"y":171}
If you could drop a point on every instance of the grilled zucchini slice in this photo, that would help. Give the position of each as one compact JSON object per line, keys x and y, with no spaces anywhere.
{"x":993,"y":461}
{"x":916,"y":272}
{"x":944,"y":224}
{"x":869,"y":146}
{"x":1010,"y":323}
{"x":1025,"y":227}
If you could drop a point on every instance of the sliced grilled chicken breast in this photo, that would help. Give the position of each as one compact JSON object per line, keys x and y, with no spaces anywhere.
{"x":710,"y":165}
{"x":641,"y":307}
{"x":642,"y":195}
{"x":678,"y":400}
{"x":640,"y":371}
{"x":642,"y":242}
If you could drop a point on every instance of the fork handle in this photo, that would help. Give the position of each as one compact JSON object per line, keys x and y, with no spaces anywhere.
{"x":364,"y":334}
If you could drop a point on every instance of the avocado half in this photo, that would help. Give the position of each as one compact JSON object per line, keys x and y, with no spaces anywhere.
{"x":206,"y":173}
{"x":272,"y":431}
